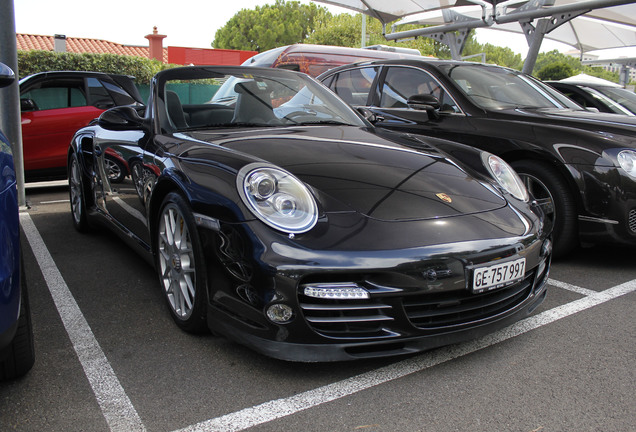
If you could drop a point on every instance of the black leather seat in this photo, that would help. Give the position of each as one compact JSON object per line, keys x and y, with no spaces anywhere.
{"x":253,"y":104}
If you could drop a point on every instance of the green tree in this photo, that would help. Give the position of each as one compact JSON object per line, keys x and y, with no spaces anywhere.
{"x":494,"y":55}
{"x":551,"y":57}
{"x":555,"y":71}
{"x":269,"y":26}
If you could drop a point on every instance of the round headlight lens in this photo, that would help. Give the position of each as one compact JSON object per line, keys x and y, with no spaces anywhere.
{"x":505,"y":176}
{"x":627,"y":161}
{"x":277,"y":198}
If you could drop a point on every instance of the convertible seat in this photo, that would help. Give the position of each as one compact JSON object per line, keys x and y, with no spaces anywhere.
{"x":175,"y":110}
{"x":253,"y":104}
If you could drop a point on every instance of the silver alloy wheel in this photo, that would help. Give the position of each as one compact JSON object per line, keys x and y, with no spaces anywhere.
{"x":541,"y":194}
{"x":176,"y":261}
{"x":75,"y":184}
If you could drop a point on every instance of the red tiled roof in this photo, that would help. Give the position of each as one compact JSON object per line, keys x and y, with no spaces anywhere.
{"x":29,"y":42}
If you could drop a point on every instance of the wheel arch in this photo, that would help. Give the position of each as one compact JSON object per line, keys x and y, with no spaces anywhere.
{"x":557,"y":165}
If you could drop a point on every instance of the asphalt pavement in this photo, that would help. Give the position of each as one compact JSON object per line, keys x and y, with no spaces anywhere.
{"x":109,"y":357}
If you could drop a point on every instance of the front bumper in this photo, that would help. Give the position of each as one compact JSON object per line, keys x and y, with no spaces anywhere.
{"x":418,"y":300}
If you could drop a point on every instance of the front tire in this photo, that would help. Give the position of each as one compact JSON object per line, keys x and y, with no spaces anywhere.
{"x":181,"y":265}
{"x":19,"y":356}
{"x":551,"y":192}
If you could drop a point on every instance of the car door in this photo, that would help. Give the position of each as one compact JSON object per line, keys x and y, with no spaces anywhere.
{"x":122,"y":197}
{"x":393,"y":86}
{"x":385,"y":92}
{"x":52,"y":110}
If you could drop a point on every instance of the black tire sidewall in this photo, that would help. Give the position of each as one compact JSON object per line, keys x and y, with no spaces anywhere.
{"x":565,"y":230}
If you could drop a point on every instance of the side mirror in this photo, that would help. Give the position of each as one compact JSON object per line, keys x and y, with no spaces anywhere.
{"x":425,"y":102}
{"x":6,"y":75}
{"x":28,"y":105}
{"x":121,"y":118}
{"x":369,"y":115}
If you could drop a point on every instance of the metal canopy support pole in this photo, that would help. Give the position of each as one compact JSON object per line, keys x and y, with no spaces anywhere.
{"x":454,"y":41}
{"x":10,"y":96}
{"x":535,"y":35}
{"x":363,"y":38}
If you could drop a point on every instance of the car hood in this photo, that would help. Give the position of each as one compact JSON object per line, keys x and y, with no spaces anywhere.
{"x":351,"y":169}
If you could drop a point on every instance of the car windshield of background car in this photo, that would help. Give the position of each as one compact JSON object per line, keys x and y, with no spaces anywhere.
{"x":624,"y":100}
{"x":498,"y":88}
{"x":252,"y":100}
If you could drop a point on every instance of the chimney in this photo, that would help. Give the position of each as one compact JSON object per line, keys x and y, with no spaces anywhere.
{"x":60,"y":43}
{"x":156,"y":44}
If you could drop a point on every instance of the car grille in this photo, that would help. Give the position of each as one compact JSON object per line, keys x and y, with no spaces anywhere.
{"x":458,"y":308}
{"x":632,"y":220}
{"x":389,"y":316}
{"x":348,"y":318}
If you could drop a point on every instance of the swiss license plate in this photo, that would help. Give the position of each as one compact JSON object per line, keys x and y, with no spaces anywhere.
{"x":492,"y":276}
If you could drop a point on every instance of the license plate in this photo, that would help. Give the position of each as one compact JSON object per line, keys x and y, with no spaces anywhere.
{"x":492,"y":276}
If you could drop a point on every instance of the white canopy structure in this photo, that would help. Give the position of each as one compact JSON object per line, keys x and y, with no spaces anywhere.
{"x":586,"y":25}
{"x":589,"y":79}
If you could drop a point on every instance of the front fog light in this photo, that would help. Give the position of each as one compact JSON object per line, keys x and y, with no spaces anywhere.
{"x":279,"y":313}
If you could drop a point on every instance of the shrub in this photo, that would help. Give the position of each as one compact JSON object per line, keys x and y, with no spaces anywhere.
{"x":143,"y":69}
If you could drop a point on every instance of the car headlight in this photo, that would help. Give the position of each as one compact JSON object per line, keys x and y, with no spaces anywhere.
{"x":627,"y":161}
{"x":277,"y":198}
{"x":505,"y":176}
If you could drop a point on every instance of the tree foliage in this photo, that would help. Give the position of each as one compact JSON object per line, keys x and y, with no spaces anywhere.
{"x":555,"y":57}
{"x":269,"y":26}
{"x":555,"y":71}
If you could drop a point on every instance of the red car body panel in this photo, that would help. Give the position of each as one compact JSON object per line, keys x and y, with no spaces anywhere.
{"x":46,"y":134}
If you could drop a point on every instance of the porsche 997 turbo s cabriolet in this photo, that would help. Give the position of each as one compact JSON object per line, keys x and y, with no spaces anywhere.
{"x":283,"y":220}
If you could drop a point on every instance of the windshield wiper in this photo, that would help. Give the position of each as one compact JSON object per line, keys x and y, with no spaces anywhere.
{"x":323,"y":122}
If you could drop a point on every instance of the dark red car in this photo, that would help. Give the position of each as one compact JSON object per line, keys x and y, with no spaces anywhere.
{"x":56,"y":104}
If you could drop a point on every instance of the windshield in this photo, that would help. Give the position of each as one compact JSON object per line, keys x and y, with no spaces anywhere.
{"x":240,"y":97}
{"x":497,"y":88}
{"x":621,"y":100}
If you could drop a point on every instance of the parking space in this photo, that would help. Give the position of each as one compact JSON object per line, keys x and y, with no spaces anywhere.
{"x":109,"y":356}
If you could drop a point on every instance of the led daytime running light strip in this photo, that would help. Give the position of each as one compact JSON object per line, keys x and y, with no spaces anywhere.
{"x":336,"y":291}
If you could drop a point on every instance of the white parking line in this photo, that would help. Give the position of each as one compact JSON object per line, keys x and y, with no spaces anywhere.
{"x":119,"y":412}
{"x":122,"y":416}
{"x":570,"y":287}
{"x":276,"y":409}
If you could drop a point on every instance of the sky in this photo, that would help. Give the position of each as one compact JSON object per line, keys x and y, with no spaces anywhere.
{"x":186,"y":23}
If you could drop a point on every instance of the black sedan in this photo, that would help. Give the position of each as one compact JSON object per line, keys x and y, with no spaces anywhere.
{"x":580,"y":165}
{"x":286,"y":222}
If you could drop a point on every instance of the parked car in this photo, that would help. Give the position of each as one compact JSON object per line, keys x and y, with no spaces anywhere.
{"x":605,"y":98}
{"x":288,"y":223}
{"x":55,"y":105}
{"x":316,"y":59}
{"x":16,"y":333}
{"x":579,"y":165}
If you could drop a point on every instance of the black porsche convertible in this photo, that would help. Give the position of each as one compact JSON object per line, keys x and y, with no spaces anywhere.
{"x":280,"y":218}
